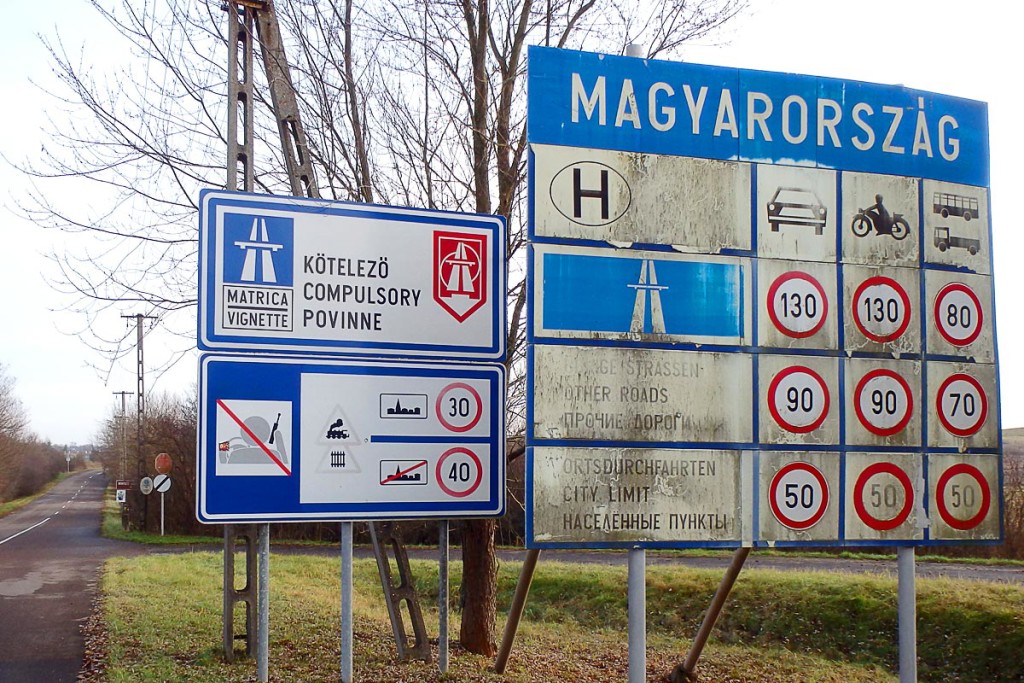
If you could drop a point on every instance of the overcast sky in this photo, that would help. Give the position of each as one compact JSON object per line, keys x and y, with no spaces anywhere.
{"x":970,"y":50}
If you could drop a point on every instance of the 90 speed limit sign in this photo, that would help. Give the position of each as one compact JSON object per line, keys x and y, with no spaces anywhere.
{"x":883,"y":402}
{"x":881,"y":309}
{"x":962,"y":405}
{"x":798,"y":399}
{"x":798,"y":495}
{"x":958,"y":314}
{"x":797,"y":304}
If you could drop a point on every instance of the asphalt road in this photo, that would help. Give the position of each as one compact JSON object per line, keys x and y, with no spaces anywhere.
{"x":50,"y":555}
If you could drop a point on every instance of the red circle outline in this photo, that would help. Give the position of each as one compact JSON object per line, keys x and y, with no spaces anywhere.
{"x":858,"y":496}
{"x":440,"y":479}
{"x":940,"y":498}
{"x":958,"y":287}
{"x":440,"y":414}
{"x":883,"y":372}
{"x":813,"y":519}
{"x":783,"y":279}
{"x":881,"y":280}
{"x":774,"y":411}
{"x":942,"y":416}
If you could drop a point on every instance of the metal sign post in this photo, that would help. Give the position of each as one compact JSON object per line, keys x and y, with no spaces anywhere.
{"x":442,"y":597}
{"x":346,"y":602}
{"x":161,"y":484}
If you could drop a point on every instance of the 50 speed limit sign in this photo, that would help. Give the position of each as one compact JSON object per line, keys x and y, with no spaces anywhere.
{"x":797,"y":304}
{"x":798,"y":495}
{"x":963,"y":497}
{"x":962,"y":405}
{"x":881,"y":309}
{"x":958,"y":314}
{"x":883,"y":402}
{"x":798,"y":399}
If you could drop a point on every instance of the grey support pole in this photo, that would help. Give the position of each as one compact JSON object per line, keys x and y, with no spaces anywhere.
{"x":346,"y":602}
{"x":263,"y":602}
{"x":442,"y":599}
{"x":907,"y":613}
{"x":637,"y":608}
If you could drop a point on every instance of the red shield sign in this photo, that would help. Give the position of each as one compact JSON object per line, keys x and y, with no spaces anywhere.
{"x":460,"y":272}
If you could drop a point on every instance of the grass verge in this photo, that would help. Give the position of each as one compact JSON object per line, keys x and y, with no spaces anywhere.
{"x":161,"y":621}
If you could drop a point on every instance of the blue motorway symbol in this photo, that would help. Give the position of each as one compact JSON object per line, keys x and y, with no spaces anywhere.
{"x":642,"y":295}
{"x":258,"y":250}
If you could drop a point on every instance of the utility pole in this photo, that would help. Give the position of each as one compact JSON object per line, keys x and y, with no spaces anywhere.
{"x":140,"y":402}
{"x":122,"y":470}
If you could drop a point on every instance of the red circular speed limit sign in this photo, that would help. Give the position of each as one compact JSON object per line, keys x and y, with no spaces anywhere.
{"x":882,"y":488}
{"x":962,"y":405}
{"x":881,"y":309}
{"x":458,"y":407}
{"x":458,"y":472}
{"x":798,"y":399}
{"x":963,"y":496}
{"x":797,"y":305}
{"x":883,"y":401}
{"x":958,"y":314}
{"x":798,"y":495}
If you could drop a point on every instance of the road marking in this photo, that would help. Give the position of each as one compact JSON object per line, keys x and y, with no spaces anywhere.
{"x":25,"y":531}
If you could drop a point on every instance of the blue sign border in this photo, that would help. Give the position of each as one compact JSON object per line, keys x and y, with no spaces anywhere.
{"x":248,"y":499}
{"x":211,"y":201}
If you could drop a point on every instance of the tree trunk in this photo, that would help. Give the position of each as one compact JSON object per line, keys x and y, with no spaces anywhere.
{"x":479,"y":588}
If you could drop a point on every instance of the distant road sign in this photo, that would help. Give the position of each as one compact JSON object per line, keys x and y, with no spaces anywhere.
{"x":881,"y":309}
{"x":146,"y":485}
{"x":163,"y":463}
{"x":286,"y":274}
{"x":797,"y":304}
{"x":798,"y":399}
{"x":883,"y":402}
{"x":962,"y":405}
{"x":161,"y":483}
{"x":289,"y":439}
{"x":882,"y":488}
{"x":798,"y":495}
{"x":958,"y":314}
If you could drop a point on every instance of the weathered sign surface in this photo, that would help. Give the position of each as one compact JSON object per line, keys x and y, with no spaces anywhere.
{"x":784,"y":279}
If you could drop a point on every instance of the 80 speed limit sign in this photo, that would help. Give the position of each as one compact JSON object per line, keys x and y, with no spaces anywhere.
{"x":958,"y":314}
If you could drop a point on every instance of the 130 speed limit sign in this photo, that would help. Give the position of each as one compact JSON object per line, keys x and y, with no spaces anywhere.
{"x":881,"y":309}
{"x":798,"y":399}
{"x":958,"y":314}
{"x":962,"y":405}
{"x":798,"y":495}
{"x":883,"y":402}
{"x":797,"y":305}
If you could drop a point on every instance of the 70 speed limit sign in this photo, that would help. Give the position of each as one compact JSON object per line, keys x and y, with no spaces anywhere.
{"x":962,"y":405}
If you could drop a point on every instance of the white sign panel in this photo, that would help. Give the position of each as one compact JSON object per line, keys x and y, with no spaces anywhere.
{"x":641,"y":395}
{"x":965,"y":494}
{"x":598,"y":495}
{"x":293,"y":275}
{"x":960,"y":305}
{"x":799,"y":501}
{"x":884,"y":497}
{"x":597,"y":194}
{"x":883,"y":402}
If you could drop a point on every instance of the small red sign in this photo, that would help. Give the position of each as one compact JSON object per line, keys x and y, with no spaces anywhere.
{"x":460,"y":272}
{"x":163,"y":463}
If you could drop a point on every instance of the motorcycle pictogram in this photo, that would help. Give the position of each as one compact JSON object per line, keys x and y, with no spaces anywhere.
{"x":877,"y":218}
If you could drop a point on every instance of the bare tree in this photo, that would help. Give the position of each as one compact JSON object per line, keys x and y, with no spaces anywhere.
{"x":407,"y":102}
